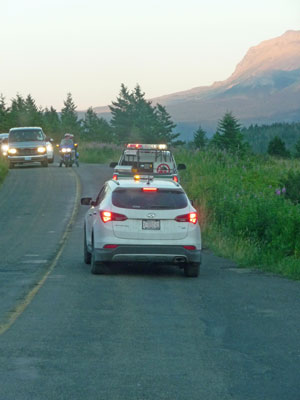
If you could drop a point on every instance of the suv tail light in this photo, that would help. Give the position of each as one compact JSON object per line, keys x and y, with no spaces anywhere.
{"x":190,"y":217}
{"x":189,"y":247}
{"x":108,"y":216}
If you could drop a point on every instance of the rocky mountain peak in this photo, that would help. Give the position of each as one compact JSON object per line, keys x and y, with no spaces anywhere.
{"x":281,"y":53}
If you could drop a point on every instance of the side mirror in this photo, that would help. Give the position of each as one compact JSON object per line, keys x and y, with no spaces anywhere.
{"x":86,"y":201}
{"x":51,"y":140}
{"x":113,"y":164}
{"x":181,"y":166}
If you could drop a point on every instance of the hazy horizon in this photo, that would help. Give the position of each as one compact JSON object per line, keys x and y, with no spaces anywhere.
{"x":52,"y":48}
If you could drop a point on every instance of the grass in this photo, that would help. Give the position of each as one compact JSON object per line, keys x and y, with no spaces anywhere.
{"x":3,"y":169}
{"x":243,"y":213}
{"x":99,"y":153}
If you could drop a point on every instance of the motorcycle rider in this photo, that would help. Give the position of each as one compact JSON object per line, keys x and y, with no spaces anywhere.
{"x":71,"y":136}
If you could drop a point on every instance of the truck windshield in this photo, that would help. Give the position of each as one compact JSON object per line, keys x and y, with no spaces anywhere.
{"x":26,"y":135}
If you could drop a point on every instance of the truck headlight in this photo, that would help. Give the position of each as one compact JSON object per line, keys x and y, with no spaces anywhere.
{"x":41,"y":149}
{"x":12,"y":151}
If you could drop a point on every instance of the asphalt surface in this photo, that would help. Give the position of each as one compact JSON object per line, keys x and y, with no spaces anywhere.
{"x":140,"y":333}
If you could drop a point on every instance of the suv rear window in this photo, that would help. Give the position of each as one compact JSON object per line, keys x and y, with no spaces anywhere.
{"x":26,"y":135}
{"x":163,"y":199}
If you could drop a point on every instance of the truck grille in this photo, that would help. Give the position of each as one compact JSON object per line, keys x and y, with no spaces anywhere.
{"x":28,"y":152}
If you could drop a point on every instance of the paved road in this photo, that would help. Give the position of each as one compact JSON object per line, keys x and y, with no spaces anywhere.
{"x":140,"y":333}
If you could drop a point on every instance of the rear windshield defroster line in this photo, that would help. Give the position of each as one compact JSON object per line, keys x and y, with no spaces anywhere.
{"x":163,"y":199}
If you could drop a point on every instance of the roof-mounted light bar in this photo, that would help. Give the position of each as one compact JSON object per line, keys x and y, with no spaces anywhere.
{"x":147,"y":146}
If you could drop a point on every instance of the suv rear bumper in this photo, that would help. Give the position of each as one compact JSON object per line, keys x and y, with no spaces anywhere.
{"x":154,"y":254}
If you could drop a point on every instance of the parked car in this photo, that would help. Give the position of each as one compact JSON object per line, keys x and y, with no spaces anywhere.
{"x":27,"y":145}
{"x":147,"y":159}
{"x":139,"y":221}
{"x":3,"y":144}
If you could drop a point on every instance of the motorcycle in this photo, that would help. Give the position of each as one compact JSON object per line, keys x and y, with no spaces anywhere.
{"x":68,"y":155}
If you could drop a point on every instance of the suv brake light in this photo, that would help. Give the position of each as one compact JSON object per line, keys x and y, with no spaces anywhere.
{"x":108,"y":216}
{"x":190,"y":217}
{"x":149,"y":189}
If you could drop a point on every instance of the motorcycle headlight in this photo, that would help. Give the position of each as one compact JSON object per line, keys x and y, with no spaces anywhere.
{"x":12,"y":151}
{"x":63,"y":150}
{"x":41,"y":149}
{"x":69,"y":150}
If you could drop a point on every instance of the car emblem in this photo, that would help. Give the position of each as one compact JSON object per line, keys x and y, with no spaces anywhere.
{"x":151,"y":215}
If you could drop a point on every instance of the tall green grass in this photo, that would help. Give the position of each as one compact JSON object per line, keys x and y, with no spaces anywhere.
{"x":3,"y":169}
{"x":243,"y":210}
{"x":101,"y":153}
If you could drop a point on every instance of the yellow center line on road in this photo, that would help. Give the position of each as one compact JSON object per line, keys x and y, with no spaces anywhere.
{"x":27,"y":299}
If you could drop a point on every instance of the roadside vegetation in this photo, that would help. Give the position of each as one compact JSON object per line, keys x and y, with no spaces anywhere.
{"x":99,"y":153}
{"x":3,"y":169}
{"x":245,"y":210}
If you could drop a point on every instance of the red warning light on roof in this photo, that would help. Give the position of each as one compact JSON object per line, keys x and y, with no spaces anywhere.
{"x":134,"y":146}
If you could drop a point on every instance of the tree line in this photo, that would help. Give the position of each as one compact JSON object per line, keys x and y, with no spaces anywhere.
{"x":133,"y":119}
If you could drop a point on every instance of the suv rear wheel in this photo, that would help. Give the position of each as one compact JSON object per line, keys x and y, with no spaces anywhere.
{"x":191,"y":270}
{"x":97,"y":268}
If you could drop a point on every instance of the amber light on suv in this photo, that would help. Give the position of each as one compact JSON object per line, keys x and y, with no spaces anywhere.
{"x":190,"y":217}
{"x":108,"y":216}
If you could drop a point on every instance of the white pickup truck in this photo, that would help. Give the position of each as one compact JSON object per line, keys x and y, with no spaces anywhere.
{"x":147,"y":159}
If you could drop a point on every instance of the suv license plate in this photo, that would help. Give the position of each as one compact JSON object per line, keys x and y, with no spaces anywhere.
{"x":151,"y":224}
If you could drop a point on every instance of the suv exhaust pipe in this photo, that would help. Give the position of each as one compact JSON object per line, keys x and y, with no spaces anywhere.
{"x":180,"y":260}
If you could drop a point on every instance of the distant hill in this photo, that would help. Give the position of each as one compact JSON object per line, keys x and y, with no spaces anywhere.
{"x":264,"y":88}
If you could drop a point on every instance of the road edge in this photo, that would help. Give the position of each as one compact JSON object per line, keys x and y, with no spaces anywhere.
{"x":27,"y":299}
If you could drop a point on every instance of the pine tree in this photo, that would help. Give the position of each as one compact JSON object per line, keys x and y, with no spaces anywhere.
{"x":297,"y":147}
{"x":200,"y":139}
{"x":228,"y":136}
{"x":95,"y":128}
{"x":277,"y":148}
{"x":52,"y":123}
{"x":135,"y":119}
{"x":69,"y":118}
{"x":33,"y":116}
{"x":4,"y":116}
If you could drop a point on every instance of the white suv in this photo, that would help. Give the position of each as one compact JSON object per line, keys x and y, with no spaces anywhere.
{"x":136,"y":221}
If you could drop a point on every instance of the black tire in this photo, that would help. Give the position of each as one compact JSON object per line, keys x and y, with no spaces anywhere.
{"x":11,"y":165}
{"x":97,"y":268}
{"x":44,"y":163}
{"x":191,"y":270}
{"x":87,"y":254}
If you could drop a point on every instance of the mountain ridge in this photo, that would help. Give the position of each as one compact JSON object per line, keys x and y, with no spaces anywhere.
{"x":264,"y":86}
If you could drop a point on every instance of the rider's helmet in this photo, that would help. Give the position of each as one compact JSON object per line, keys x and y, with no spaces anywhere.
{"x":68,"y":136}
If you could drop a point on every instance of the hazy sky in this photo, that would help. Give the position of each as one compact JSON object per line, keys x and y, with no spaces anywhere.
{"x":51,"y":47}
